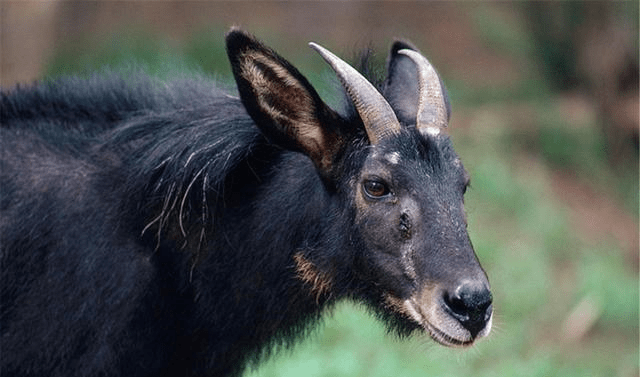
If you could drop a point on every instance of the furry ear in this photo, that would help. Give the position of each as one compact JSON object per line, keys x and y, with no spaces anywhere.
{"x":403,"y":85}
{"x":283,"y":104}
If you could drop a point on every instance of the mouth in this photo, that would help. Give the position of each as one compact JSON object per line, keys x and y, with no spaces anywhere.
{"x":438,"y":323}
{"x":444,"y":339}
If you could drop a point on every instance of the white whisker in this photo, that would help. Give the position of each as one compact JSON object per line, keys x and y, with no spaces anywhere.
{"x":163,"y":163}
{"x":207,"y":147}
{"x":155,"y":220}
{"x":184,"y":198}
{"x":162,"y":216}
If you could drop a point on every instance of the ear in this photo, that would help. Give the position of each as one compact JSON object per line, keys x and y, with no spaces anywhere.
{"x":402,"y":89}
{"x":283,"y":104}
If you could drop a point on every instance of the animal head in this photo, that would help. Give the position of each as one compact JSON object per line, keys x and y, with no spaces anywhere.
{"x":393,"y":165}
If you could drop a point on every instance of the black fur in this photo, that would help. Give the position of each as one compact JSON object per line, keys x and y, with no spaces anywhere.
{"x":149,"y":228}
{"x":112,"y":189}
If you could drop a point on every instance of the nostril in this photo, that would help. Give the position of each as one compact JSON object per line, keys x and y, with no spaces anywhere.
{"x":456,"y":304}
{"x":467,"y":299}
{"x":471,"y":305}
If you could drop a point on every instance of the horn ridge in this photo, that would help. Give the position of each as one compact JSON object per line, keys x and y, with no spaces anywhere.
{"x":378,"y":117}
{"x":432,"y":115}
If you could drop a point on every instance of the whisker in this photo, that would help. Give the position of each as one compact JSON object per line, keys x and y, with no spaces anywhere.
{"x":184,"y":198}
{"x":205,"y":148}
{"x":155,"y":220}
{"x":163,"y":213}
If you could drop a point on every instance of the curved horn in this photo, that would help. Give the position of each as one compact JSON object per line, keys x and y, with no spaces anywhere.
{"x":377,"y":115}
{"x":432,"y":107}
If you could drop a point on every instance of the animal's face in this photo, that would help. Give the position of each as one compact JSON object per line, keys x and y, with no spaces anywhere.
{"x":404,"y":185}
{"x":410,"y":219}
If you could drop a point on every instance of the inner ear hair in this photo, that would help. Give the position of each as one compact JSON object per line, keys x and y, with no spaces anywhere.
{"x":282,"y":102}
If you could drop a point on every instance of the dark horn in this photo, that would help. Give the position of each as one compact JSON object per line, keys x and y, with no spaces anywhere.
{"x":432,"y":108}
{"x":377,"y":115}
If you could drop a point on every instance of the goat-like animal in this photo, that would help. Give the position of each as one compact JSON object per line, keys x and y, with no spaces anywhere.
{"x":154,"y":228}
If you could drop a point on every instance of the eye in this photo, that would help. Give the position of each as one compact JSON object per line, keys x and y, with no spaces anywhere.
{"x":375,"y":188}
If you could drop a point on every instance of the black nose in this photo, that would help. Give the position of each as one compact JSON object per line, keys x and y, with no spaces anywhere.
{"x":470,"y":304}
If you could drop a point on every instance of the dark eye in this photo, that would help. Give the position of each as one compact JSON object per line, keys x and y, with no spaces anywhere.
{"x":375,"y":188}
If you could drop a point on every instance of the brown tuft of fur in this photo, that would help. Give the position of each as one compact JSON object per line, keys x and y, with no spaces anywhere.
{"x":320,"y":283}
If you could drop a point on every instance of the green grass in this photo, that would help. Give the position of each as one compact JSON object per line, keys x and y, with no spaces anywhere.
{"x":539,"y":267}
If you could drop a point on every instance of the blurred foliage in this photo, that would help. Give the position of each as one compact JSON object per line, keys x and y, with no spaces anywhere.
{"x":132,"y":50}
{"x":559,"y":30}
{"x":541,"y":267}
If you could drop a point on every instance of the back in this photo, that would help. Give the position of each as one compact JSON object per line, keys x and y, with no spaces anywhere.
{"x":72,"y":158}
